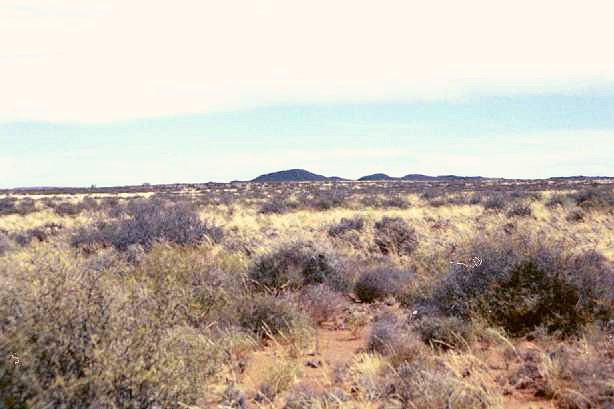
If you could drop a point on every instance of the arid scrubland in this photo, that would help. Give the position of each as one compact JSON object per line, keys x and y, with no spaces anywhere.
{"x":481,"y":294}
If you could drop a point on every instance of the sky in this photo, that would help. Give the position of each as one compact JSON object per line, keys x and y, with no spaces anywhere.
{"x":128,"y":92}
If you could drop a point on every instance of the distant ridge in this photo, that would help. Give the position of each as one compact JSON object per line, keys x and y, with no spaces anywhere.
{"x":376,"y":176}
{"x":302,"y":175}
{"x":417,"y":177}
{"x":292,"y":175}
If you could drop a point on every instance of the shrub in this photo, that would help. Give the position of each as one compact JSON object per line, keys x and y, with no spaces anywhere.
{"x":381,"y":282}
{"x":293,"y":266}
{"x":320,"y":302}
{"x":192,"y":283}
{"x":147,"y":222}
{"x":494,"y":202}
{"x":393,"y":235}
{"x":575,"y":216}
{"x":444,"y":332}
{"x":68,"y":209}
{"x":520,"y":209}
{"x":278,"y":378}
{"x":10,"y":205}
{"x":475,"y":198}
{"x":89,"y":203}
{"x":40,"y":234}
{"x":572,"y":372}
{"x":392,"y":337}
{"x":525,"y":283}
{"x":432,"y":194}
{"x":346,"y":225}
{"x":306,"y":396}
{"x":86,"y":338}
{"x":274,"y":207}
{"x":111,"y":205}
{"x":396,"y":202}
{"x":26,"y":206}
{"x":594,"y":198}
{"x":25,"y":238}
{"x":558,"y":200}
{"x":327,"y":200}
{"x":7,"y":206}
{"x":266,"y":315}
{"x":429,"y":386}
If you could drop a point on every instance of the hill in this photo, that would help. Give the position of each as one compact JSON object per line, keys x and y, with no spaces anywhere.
{"x":292,"y":175}
{"x":376,"y":176}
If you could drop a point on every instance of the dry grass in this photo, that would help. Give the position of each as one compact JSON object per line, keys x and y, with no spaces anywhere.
{"x":199,"y":333}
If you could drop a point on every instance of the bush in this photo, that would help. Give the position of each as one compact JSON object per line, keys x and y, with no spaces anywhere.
{"x":7,"y":206}
{"x":87,"y":338}
{"x":89,"y":203}
{"x":68,"y":209}
{"x":147,"y":222}
{"x":576,"y":368}
{"x":266,"y":315}
{"x":346,"y":225}
{"x":525,"y":283}
{"x":41,"y":234}
{"x":428,"y":386}
{"x":308,"y":396}
{"x":293,"y":266}
{"x":520,"y":209}
{"x":320,"y":302}
{"x":10,"y":205}
{"x":379,"y":283}
{"x":274,"y":207}
{"x":444,"y":332}
{"x":494,"y":202}
{"x":26,"y":206}
{"x":594,"y":198}
{"x":192,"y":283}
{"x":398,"y":202}
{"x":393,"y":235}
{"x":575,"y":216}
{"x":392,"y":337}
{"x":558,"y":200}
{"x":327,"y":200}
{"x":278,"y":378}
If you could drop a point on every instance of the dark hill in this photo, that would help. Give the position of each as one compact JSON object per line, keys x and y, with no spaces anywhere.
{"x":291,"y":175}
{"x":376,"y":176}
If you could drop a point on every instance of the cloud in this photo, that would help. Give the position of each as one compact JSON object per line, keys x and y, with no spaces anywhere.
{"x":87,"y":60}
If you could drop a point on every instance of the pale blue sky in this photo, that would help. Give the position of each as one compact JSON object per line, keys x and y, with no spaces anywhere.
{"x":520,"y":136}
{"x":133,"y":91}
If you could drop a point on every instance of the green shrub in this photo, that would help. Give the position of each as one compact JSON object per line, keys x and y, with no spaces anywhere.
{"x":527,"y":282}
{"x":87,"y":337}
